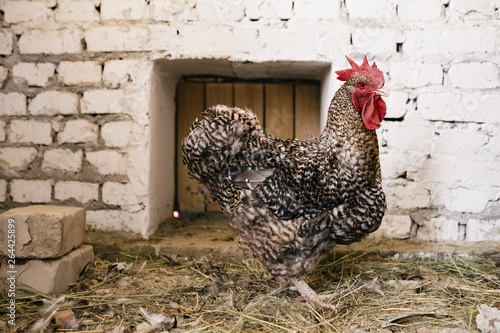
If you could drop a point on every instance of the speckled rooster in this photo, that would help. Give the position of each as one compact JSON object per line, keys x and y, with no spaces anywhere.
{"x":291,"y":200}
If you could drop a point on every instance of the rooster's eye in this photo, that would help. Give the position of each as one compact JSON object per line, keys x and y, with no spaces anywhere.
{"x":362,"y":84}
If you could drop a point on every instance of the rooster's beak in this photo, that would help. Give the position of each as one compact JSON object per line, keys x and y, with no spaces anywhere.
{"x":381,"y":92}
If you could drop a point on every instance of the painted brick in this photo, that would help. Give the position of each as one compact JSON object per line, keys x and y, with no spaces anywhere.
{"x":27,"y":11}
{"x":54,"y":102}
{"x":78,"y":131}
{"x":420,"y":10}
{"x":374,"y":40}
{"x":441,"y":106}
{"x":121,"y":133}
{"x":3,"y":190}
{"x":61,"y":159}
{"x":34,"y":74}
{"x":314,"y":9}
{"x":76,"y":11}
{"x":79,"y":72}
{"x":439,"y":229}
{"x":102,"y":101}
{"x":119,"y":194}
{"x":404,"y":74}
{"x":12,"y":104}
{"x":4,"y":73}
{"x":34,"y":191}
{"x":50,"y":42}
{"x":3,"y":137}
{"x":487,"y":109}
{"x":118,"y":38}
{"x":482,"y":230}
{"x":119,"y":73}
{"x":110,"y":220}
{"x":168,"y":11}
{"x":123,"y":10}
{"x":395,"y":227}
{"x":467,"y":201}
{"x":30,"y":131}
{"x":406,"y":194}
{"x":234,"y":10}
{"x":396,"y":105}
{"x":81,"y":192}
{"x":485,"y":7}
{"x":370,"y":9}
{"x":473,"y":75}
{"x":53,"y":276}
{"x":463,"y":144}
{"x":266,"y":9}
{"x":410,"y":138}
{"x":108,"y":162}
{"x":6,"y":42}
{"x":44,"y":231}
{"x":17,"y":158}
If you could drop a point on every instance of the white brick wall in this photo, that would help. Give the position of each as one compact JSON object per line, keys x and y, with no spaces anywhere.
{"x":82,"y":81}
{"x":3,"y":190}
{"x":35,"y":74}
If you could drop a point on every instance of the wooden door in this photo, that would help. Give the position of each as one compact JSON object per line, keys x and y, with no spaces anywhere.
{"x":289,"y":110}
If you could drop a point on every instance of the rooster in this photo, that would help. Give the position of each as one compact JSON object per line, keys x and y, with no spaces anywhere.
{"x":292,"y":200}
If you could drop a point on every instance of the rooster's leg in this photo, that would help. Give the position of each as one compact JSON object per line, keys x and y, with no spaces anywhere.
{"x":310,"y":295}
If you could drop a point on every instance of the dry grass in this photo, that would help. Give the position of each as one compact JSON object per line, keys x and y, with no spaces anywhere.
{"x":372,"y":293}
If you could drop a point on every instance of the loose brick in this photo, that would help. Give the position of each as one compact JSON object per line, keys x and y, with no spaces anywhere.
{"x":30,"y":131}
{"x":34,"y":74}
{"x":12,"y":104}
{"x":54,"y":102}
{"x":61,"y":159}
{"x":3,"y":190}
{"x":34,"y":191}
{"x":2,"y":131}
{"x":482,"y":230}
{"x":422,"y":10}
{"x":52,"y":276}
{"x":17,"y":158}
{"x":108,"y":162}
{"x":78,"y":131}
{"x":81,"y":192}
{"x":408,"y":75}
{"x":121,"y":133}
{"x":79,"y":72}
{"x":473,"y":75}
{"x":439,"y":229}
{"x":395,"y":227}
{"x":27,"y":11}
{"x":76,"y":11}
{"x":123,"y":10}
{"x":50,"y":42}
{"x":118,"y":38}
{"x":5,"y":42}
{"x":103,"y":101}
{"x":119,"y":194}
{"x":44,"y":231}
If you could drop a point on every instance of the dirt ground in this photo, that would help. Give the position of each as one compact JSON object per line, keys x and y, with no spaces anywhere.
{"x":191,"y":277}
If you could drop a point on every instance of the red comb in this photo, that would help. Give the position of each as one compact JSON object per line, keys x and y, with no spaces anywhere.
{"x":365,"y":68}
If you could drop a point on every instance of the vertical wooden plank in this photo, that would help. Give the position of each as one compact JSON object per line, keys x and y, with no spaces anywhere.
{"x":250,"y":96}
{"x":279,"y":110}
{"x":307,"y":110}
{"x":190,"y":103}
{"x":218,"y":93}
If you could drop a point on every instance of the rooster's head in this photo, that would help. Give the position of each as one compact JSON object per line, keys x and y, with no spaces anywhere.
{"x":363,"y":85}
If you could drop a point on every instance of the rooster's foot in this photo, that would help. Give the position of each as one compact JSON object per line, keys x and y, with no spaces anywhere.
{"x":310,"y":296}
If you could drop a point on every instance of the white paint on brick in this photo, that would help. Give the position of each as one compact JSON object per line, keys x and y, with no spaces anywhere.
{"x":50,"y":41}
{"x":485,"y":7}
{"x":124,"y":10}
{"x":5,"y":42}
{"x":121,"y":133}
{"x":120,"y":73}
{"x":394,"y":226}
{"x":119,"y":194}
{"x":27,"y":11}
{"x":173,"y":10}
{"x":467,"y":201}
{"x":4,"y":73}
{"x":254,"y":10}
{"x":29,"y":131}
{"x":316,"y":9}
{"x":482,"y":230}
{"x":111,"y":220}
{"x":103,"y":101}
{"x":408,"y":75}
{"x":35,"y":74}
{"x":410,"y":138}
{"x":474,"y":75}
{"x":61,"y":159}
{"x":78,"y":131}
{"x":487,"y":109}
{"x":380,"y":10}
{"x":463,"y":144}
{"x":108,"y":162}
{"x":118,"y":38}
{"x":34,"y":191}
{"x":16,"y":158}
{"x":441,"y":106}
{"x":54,"y":102}
{"x":3,"y":137}
{"x":374,"y":40}
{"x":3,"y":190}
{"x":79,"y":72}
{"x":401,"y":193}
{"x":138,"y":171}
{"x":439,"y":229}
{"x":80,"y":191}
{"x":396,"y":104}
{"x":12,"y":104}
{"x":420,"y":10}
{"x":76,"y":11}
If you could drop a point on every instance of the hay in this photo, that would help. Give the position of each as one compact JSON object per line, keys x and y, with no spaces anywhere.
{"x":372,"y":293}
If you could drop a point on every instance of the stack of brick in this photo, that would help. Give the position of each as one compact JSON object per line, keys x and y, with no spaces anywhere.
{"x":43,"y":246}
